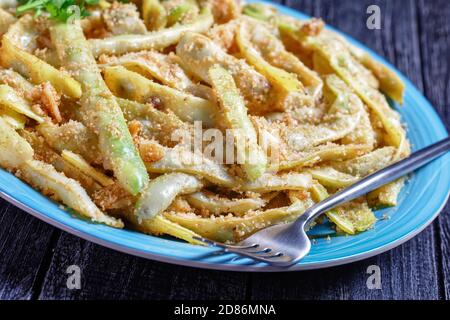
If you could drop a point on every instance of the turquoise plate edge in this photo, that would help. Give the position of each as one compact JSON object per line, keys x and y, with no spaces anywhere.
{"x":427,"y":191}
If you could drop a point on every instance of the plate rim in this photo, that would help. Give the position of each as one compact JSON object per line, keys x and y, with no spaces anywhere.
{"x":161,"y":257}
{"x":220,"y":266}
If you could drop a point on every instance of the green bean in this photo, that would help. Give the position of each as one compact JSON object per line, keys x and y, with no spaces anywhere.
{"x":151,"y":41}
{"x":154,"y":14}
{"x":6,"y":19}
{"x":162,"y":191}
{"x":100,"y":111}
{"x":131,"y":85}
{"x":236,"y":118}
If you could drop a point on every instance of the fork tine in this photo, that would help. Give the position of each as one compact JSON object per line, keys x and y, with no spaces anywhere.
{"x":277,"y":258}
{"x":262,"y":251}
{"x":205,"y":241}
{"x":270,"y":258}
{"x":224,"y":246}
{"x":275,"y":255}
{"x":268,"y":255}
{"x":281,"y":261}
{"x":252,"y":246}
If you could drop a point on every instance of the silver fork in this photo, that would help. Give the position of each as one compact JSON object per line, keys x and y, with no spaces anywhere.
{"x":286,"y":244}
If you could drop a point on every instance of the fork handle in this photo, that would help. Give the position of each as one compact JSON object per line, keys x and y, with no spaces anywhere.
{"x":377,"y":179}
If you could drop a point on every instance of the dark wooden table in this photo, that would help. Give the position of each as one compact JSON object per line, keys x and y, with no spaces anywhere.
{"x":414,"y":36}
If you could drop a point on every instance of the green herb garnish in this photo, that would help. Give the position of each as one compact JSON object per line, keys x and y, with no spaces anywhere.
{"x":60,"y":10}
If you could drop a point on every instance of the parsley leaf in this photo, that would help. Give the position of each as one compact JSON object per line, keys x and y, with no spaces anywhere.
{"x":60,"y":10}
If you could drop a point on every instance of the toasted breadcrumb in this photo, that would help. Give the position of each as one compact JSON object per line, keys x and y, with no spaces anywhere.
{"x":312,"y":27}
{"x":180,"y":205}
{"x":150,"y":151}
{"x":112,"y":197}
{"x":51,"y":101}
{"x":135,"y":127}
{"x":224,"y":35}
{"x":123,"y":18}
{"x":225,"y":10}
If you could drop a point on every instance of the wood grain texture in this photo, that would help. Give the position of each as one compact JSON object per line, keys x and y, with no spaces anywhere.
{"x":107,"y":274}
{"x":25,"y":246}
{"x":435,"y":44}
{"x":415,"y":37}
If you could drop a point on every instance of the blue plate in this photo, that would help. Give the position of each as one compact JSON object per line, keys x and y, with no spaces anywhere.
{"x":423,"y":197}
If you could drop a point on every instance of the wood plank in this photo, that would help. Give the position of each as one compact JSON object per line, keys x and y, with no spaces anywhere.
{"x":435,"y":44}
{"x":444,"y":232}
{"x":405,"y":273}
{"x":25,"y":247}
{"x":107,"y":274}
